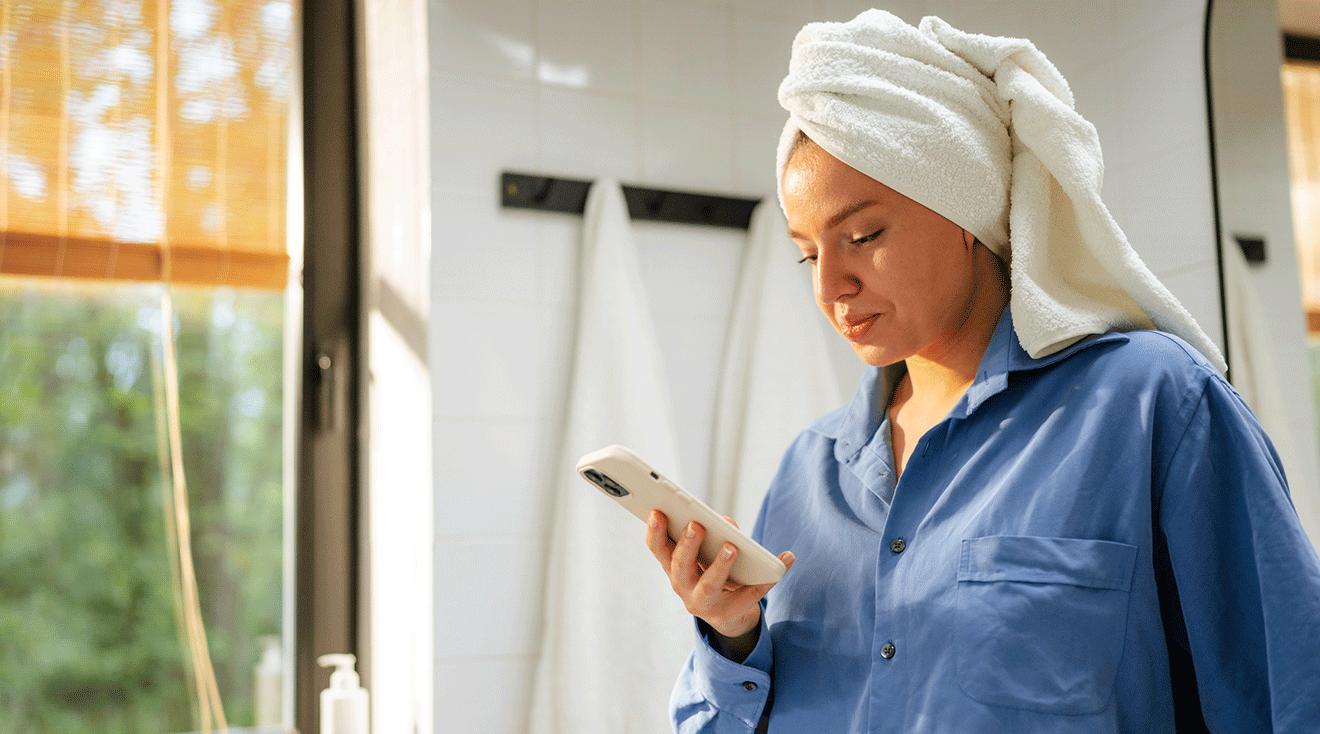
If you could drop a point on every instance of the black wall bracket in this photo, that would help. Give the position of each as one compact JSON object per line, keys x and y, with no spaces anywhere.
{"x":1253,"y":247}
{"x":530,"y":191}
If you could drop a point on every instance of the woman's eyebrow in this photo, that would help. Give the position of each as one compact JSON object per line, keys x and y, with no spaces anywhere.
{"x":841,"y":215}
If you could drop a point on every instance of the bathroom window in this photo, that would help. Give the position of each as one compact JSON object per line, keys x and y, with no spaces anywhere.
{"x":144,"y":143}
{"x":91,"y":632}
{"x":1301,"y":95}
{"x":1301,"y":100}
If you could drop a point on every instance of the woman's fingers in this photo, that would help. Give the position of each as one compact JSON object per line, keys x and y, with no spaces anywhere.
{"x":679,"y":559}
{"x":657,"y":538}
{"x":684,"y":571}
{"x":787,"y":558}
{"x":731,"y":608}
{"x":730,"y":596}
{"x":716,"y":578}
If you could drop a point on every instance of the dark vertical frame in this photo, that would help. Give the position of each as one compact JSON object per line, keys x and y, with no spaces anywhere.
{"x":1214,"y":182}
{"x":327,"y":567}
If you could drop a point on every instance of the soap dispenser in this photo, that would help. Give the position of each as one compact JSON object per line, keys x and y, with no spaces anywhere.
{"x":344,"y":703}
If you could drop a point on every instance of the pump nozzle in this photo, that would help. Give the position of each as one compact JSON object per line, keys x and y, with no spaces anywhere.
{"x":344,"y":675}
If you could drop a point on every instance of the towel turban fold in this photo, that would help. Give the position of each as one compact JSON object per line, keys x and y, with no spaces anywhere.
{"x":982,"y":130}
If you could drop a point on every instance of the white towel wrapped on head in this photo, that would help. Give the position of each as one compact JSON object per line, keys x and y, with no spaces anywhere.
{"x":982,"y":130}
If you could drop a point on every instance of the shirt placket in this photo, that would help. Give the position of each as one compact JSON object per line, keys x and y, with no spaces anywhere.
{"x":891,"y":654}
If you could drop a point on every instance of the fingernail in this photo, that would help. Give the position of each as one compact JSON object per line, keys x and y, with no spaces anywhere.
{"x":727,"y":553}
{"x":652,"y":521}
{"x":691,"y":531}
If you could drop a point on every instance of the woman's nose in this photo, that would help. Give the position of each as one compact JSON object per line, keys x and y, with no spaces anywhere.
{"x":833,"y":279}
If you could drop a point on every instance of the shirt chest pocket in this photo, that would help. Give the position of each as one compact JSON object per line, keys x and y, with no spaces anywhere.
{"x":1041,"y":621}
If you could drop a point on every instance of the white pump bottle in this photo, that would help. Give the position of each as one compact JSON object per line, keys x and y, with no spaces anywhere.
{"x":344,"y":703}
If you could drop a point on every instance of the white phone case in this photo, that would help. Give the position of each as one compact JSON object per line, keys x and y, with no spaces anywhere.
{"x":630,"y":481}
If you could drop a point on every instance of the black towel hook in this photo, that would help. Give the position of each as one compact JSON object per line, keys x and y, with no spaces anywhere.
{"x":545,"y":193}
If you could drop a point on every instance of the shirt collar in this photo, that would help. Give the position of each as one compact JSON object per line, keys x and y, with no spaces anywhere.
{"x":1002,"y":356}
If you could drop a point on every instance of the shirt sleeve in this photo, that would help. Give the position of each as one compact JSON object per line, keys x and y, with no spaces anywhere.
{"x":1247,"y":576}
{"x":715,"y":695}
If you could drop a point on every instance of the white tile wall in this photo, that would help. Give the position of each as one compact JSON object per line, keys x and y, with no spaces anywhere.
{"x":482,"y":38}
{"x":488,"y":360}
{"x":754,"y":142}
{"x":1141,"y":21}
{"x":1197,"y":287}
{"x":687,"y":148}
{"x":478,"y":127}
{"x":1079,"y":50}
{"x":589,"y":135}
{"x":586,"y":44}
{"x":1174,"y":188}
{"x":802,"y":11}
{"x":762,"y":47}
{"x":969,"y":16}
{"x":680,"y":93}
{"x":1097,"y":99}
{"x":696,"y":72}
{"x":1162,"y":91}
{"x":472,"y":488}
{"x":485,"y":250}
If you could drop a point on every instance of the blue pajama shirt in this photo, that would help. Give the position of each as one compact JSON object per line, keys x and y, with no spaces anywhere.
{"x":1007,"y":581}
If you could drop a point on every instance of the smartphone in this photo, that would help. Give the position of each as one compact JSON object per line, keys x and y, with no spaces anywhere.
{"x":630,"y":481}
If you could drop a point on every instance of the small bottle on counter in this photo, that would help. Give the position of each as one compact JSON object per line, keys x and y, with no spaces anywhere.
{"x":268,"y":694}
{"x":344,"y":703}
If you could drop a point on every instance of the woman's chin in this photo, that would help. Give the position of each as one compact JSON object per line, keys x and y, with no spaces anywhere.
{"x":876,"y":356}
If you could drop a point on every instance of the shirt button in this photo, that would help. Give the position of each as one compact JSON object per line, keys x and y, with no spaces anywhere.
{"x":897,"y":545}
{"x":888,"y":650}
{"x":749,"y":686}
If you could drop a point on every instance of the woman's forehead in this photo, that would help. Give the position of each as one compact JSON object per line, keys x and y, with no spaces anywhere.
{"x":816,"y":184}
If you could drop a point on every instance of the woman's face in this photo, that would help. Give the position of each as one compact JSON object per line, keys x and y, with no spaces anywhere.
{"x":893,"y":277}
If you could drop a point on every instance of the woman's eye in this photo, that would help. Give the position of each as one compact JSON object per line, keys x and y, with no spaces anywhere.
{"x":867,"y":238}
{"x":807,"y":258}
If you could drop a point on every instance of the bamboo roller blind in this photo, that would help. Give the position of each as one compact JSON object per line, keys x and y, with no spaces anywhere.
{"x":145,"y":139}
{"x":1301,"y":99}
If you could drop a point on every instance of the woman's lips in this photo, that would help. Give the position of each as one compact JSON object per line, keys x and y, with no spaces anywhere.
{"x":855,"y":329}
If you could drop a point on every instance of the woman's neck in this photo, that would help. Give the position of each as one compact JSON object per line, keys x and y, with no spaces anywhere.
{"x":940,"y":375}
{"x":936,"y":380}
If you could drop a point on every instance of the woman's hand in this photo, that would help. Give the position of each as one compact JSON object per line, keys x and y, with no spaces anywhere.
{"x":732,"y":610}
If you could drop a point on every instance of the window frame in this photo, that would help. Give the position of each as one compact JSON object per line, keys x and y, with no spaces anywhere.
{"x":327,"y":543}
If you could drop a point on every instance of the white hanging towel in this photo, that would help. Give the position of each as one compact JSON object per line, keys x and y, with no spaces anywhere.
{"x":777,"y":375}
{"x":1251,"y":349}
{"x":614,"y":635}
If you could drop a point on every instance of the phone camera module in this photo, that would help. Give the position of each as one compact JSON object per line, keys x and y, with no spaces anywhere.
{"x":607,"y":485}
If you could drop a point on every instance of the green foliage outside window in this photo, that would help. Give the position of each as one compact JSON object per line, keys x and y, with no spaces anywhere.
{"x":88,"y":634}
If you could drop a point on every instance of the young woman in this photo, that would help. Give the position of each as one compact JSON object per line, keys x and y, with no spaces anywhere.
{"x":1038,"y":513}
